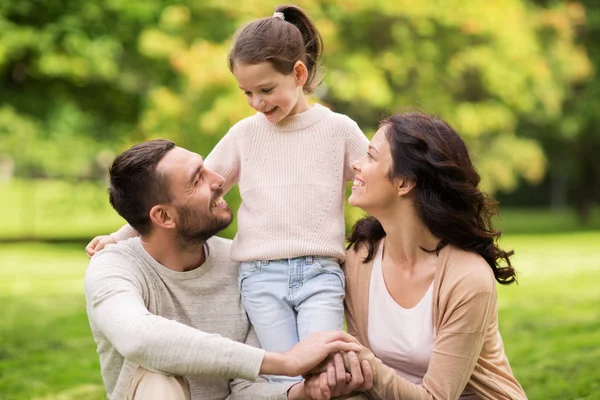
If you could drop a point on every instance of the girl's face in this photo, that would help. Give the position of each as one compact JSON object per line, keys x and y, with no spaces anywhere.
{"x":270,"y":92}
{"x":372,"y":189}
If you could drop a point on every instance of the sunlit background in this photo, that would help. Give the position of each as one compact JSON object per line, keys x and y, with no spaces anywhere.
{"x":82,"y":81}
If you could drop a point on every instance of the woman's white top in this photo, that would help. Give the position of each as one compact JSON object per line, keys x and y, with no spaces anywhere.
{"x":402,"y":338}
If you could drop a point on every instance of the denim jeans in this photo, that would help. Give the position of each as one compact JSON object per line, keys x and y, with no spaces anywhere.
{"x":288,"y":299}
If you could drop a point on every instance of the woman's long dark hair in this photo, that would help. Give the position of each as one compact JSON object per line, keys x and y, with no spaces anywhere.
{"x":429,"y":152}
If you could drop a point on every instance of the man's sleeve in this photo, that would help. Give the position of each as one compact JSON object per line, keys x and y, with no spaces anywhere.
{"x":260,"y":388}
{"x":115,"y":305}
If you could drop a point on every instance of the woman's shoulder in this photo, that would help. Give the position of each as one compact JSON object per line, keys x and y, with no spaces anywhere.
{"x":466,"y":269}
{"x":355,"y":257}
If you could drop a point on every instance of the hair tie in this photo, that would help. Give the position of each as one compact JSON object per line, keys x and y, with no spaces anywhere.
{"x":278,"y":14}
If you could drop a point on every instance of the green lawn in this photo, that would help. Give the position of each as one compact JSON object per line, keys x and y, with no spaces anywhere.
{"x":550,"y":322}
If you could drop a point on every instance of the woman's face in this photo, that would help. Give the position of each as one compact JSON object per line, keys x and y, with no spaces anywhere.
{"x":372,"y":189}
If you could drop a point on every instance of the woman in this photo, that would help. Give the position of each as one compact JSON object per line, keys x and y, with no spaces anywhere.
{"x":421,"y":270}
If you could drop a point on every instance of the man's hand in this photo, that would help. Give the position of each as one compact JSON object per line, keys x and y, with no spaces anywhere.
{"x":97,"y":244}
{"x":308,"y":353}
{"x":336,"y":381}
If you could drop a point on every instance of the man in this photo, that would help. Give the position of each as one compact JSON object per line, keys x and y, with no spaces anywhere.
{"x":164,"y":307}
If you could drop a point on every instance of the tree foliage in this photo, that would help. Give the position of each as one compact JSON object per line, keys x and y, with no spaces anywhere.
{"x":83,"y":80}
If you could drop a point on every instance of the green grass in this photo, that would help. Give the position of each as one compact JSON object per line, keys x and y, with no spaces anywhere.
{"x":550,"y":322}
{"x":58,"y":210}
{"x":47,"y":350}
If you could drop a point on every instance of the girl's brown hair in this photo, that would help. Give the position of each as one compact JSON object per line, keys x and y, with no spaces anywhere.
{"x":282,"y":42}
{"x":429,"y":152}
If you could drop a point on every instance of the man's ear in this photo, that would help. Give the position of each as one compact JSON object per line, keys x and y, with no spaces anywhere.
{"x":300,"y":73}
{"x":163,"y":216}
{"x":405,"y":186}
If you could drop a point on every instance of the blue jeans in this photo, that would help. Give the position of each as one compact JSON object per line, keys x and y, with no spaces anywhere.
{"x":288,"y":299}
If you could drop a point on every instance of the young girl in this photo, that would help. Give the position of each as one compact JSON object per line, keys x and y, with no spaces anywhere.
{"x":291,"y":162}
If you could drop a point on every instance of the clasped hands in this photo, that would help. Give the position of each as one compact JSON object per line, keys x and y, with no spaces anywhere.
{"x":341,"y":374}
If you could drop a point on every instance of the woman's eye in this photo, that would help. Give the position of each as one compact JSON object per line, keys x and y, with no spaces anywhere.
{"x":369,"y":156}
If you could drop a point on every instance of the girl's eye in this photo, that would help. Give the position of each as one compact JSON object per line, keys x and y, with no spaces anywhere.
{"x":247,"y":93}
{"x":369,"y":156}
{"x":267,"y":90}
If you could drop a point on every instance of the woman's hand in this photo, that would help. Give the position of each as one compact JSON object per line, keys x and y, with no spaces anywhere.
{"x":336,"y":381}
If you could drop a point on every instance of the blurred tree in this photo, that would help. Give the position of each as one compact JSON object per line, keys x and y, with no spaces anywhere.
{"x":82,"y":79}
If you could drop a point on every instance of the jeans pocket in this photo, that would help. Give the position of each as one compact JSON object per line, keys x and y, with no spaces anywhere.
{"x":248,"y":269}
{"x":330,"y":265}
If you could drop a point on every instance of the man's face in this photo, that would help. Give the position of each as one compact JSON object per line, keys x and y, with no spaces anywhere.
{"x":197,"y":196}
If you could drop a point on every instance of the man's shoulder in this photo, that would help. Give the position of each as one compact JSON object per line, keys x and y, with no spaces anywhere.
{"x":122,"y":254}
{"x":219,"y":247}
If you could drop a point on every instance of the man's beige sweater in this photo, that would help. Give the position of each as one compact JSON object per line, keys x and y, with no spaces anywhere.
{"x":189,"y":323}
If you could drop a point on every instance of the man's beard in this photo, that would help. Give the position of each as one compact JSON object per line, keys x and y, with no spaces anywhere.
{"x":196,"y":227}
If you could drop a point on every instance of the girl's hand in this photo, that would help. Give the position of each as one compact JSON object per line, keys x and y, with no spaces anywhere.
{"x":97,"y":244}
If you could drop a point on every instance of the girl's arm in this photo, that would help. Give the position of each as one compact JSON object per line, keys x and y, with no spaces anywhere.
{"x":224,"y":159}
{"x":356,"y":147}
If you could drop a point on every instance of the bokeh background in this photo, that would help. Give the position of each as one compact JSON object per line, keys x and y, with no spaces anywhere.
{"x":81,"y":81}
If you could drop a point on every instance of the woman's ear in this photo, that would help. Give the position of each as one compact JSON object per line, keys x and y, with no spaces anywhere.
{"x":300,"y":73}
{"x":163,"y":216}
{"x":405,"y":186}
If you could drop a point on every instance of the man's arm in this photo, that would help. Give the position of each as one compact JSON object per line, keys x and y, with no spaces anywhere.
{"x":116,"y":307}
{"x":261,"y":388}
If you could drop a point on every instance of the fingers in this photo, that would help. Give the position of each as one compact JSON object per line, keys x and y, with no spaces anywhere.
{"x":340,"y":370}
{"x":331,"y":380}
{"x":324,"y":386}
{"x":357,"y":379}
{"x":340,"y":336}
{"x":337,"y":346}
{"x":367,"y":375}
{"x":89,"y":249}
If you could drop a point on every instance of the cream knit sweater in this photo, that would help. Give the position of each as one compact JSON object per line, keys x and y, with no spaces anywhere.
{"x":291,"y":177}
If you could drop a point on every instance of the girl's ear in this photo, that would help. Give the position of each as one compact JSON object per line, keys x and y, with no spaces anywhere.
{"x":163,"y":216}
{"x":300,"y":73}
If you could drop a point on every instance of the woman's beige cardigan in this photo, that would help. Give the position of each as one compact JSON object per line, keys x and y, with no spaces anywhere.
{"x":468,"y":349}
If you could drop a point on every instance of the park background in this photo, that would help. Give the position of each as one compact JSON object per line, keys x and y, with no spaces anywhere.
{"x":81,"y":81}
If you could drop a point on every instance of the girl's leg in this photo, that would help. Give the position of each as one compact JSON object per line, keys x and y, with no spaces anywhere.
{"x":320,"y":301}
{"x":264,"y":287}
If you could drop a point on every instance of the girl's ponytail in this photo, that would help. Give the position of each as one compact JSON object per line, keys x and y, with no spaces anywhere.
{"x":313,"y":43}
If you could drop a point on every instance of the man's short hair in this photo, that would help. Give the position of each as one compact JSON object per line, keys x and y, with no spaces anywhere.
{"x":135,"y":184}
